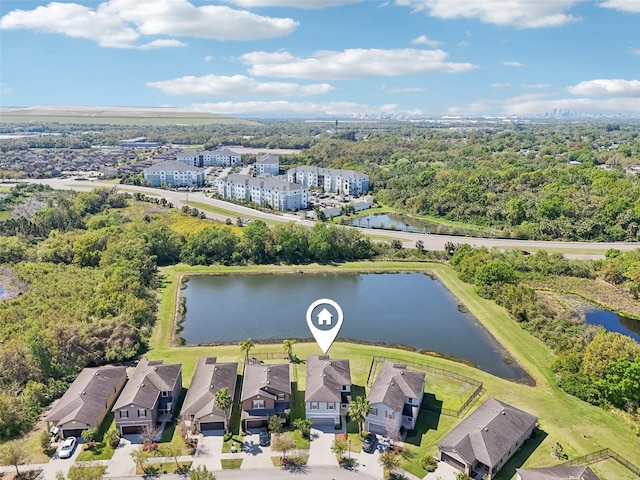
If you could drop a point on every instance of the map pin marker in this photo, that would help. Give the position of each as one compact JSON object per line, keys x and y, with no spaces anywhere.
{"x":324,"y":318}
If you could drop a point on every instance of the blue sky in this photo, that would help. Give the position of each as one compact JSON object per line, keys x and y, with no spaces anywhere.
{"x":325,"y":57}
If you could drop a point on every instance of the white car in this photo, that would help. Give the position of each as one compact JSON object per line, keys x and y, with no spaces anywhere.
{"x":67,"y":448}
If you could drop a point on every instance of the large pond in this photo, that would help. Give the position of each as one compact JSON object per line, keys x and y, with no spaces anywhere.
{"x":410,"y":309}
{"x":405,"y":223}
{"x":614,"y":322}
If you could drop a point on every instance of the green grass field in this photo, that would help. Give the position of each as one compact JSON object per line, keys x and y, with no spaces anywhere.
{"x":581,"y":428}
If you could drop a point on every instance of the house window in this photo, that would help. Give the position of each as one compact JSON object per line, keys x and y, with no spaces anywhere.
{"x":388,"y":414}
{"x":314,"y":405}
{"x":344,"y":388}
{"x":345,"y":405}
{"x":331,"y":406}
{"x":124,"y":414}
{"x":258,"y":404}
{"x":374,"y":412}
{"x":142,"y":412}
{"x":280,"y":396}
{"x":165,"y":394}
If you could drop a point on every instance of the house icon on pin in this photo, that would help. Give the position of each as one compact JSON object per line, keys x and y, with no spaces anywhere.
{"x":324,"y":317}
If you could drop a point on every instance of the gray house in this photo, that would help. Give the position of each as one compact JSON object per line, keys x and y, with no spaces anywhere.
{"x":149,"y":397}
{"x":395,"y":399}
{"x":266,"y":391}
{"x":328,"y":389}
{"x":199,"y":408}
{"x":576,"y":472}
{"x":87,"y":400}
{"x":485,"y":440}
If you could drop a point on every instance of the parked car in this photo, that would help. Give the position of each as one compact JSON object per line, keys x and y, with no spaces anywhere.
{"x":68,"y":446}
{"x":369,"y":443}
{"x":265,"y":437}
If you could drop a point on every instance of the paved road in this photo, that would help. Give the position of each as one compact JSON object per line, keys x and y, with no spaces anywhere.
{"x":584,"y":250}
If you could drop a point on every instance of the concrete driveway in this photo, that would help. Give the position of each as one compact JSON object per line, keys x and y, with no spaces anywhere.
{"x":256,"y":456}
{"x":57,"y":464}
{"x":320,"y":449}
{"x":121,"y":464}
{"x":209,"y":451}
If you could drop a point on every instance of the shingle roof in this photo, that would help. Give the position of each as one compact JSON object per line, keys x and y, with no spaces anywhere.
{"x":85,"y":398}
{"x":171,"y":166}
{"x":208,"y":378}
{"x":147,"y":381}
{"x":265,"y":380}
{"x":325,"y":378}
{"x":577,"y":472}
{"x":394,"y":384}
{"x":488,"y":433}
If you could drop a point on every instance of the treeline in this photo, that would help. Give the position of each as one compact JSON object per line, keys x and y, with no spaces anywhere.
{"x":597,"y":366}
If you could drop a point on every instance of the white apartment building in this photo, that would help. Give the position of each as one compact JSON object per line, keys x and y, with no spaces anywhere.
{"x":210,"y":158}
{"x":173,"y":174}
{"x":274,"y":192}
{"x":344,"y":182}
{"x":267,"y":164}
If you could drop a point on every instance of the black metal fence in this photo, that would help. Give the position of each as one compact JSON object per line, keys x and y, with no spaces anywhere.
{"x":600,"y":455}
{"x":430,"y":369}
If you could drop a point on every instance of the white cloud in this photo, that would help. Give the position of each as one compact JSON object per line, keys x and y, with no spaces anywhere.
{"x":635,"y":51}
{"x":518,"y":13}
{"x":309,"y":4}
{"x":630,"y":6}
{"x":5,"y":89}
{"x":162,"y":43}
{"x":352,"y":63}
{"x":385,"y":88}
{"x":463,"y":43}
{"x":501,"y":85}
{"x":512,"y":64}
{"x":424,"y":40}
{"x":235,"y":86}
{"x":608,"y":106}
{"x":208,"y":58}
{"x":535,"y":85}
{"x":607,"y":87}
{"x":283,"y":107}
{"x":122,"y":23}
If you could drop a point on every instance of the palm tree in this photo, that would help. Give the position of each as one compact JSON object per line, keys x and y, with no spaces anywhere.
{"x":287,"y":347}
{"x":358,"y":410}
{"x":246,"y":347}
{"x":222,"y":401}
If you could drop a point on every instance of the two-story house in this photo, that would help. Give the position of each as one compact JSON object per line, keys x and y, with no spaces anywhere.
{"x":149,"y":396}
{"x":395,"y":399}
{"x":266,"y":391}
{"x":209,"y":377}
{"x":328,"y":390}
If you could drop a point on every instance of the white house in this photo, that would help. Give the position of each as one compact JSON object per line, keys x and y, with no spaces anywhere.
{"x":328,"y":390}
{"x":344,"y":182}
{"x":274,"y":192}
{"x":395,"y":399}
{"x":267,"y":164}
{"x":220,"y":157}
{"x":173,"y":174}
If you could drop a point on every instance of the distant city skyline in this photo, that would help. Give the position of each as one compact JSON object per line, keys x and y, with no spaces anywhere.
{"x":261,"y":58}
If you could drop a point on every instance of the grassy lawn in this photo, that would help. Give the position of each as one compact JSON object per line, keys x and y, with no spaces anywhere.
{"x":581,"y":428}
{"x":237,"y":439}
{"x":151,"y":469}
{"x":229,"y":213}
{"x":231,"y":463}
{"x":291,"y":461}
{"x":100,"y":451}
{"x":301,"y":442}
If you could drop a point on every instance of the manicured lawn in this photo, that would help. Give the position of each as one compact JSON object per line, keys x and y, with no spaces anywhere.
{"x":237,"y":439}
{"x":229,"y":213}
{"x":231,"y":463}
{"x":581,"y":428}
{"x":157,"y":468}
{"x":100,"y":451}
{"x":301,"y":442}
{"x":290,"y":461}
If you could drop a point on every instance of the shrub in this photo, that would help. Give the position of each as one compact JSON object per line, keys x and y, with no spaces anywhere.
{"x":429,"y":463}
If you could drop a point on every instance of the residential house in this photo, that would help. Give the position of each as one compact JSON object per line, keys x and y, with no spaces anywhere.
{"x":485,"y":440}
{"x":266,"y":391}
{"x":267,"y":164}
{"x":87,"y":401}
{"x":395,"y":397}
{"x":199,"y":407}
{"x":173,"y":174}
{"x":576,"y":472}
{"x":274,"y":192}
{"x":328,"y":390}
{"x":344,"y":182}
{"x":149,"y":397}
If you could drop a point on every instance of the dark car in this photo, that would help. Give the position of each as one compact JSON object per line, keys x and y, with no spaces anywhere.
{"x":369,"y":442}
{"x":265,"y":437}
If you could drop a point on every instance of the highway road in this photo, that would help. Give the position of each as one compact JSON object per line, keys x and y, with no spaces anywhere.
{"x":582,"y":250}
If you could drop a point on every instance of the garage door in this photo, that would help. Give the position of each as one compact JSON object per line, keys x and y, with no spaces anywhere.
{"x":130,"y":430}
{"x":77,"y":432}
{"x":379,"y":429}
{"x":323,"y":422}
{"x":256,"y":424}
{"x":452,"y":461}
{"x":211,"y":426}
